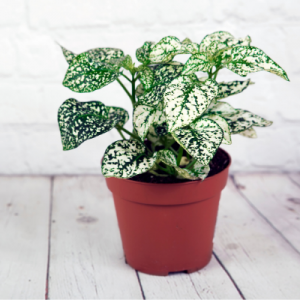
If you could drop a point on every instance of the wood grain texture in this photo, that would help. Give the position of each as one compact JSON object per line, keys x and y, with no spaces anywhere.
{"x":211,"y":282}
{"x":24,"y":218}
{"x":260,"y":261}
{"x":87,"y":260}
{"x":277,"y":198}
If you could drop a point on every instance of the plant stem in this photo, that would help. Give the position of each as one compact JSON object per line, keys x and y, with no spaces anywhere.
{"x":133,"y":89}
{"x":157,"y":174}
{"x":124,"y":88}
{"x":180,"y":152}
{"x":121,"y":134}
{"x":126,"y":77}
{"x":128,"y":132}
{"x":163,"y":169}
{"x":174,"y":151}
{"x":191,"y":164}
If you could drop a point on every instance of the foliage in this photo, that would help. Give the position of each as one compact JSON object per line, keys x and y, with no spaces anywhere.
{"x":179,"y":119}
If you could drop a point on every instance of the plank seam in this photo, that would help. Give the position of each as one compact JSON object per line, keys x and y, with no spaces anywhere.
{"x":140,"y":283}
{"x":49,"y":237}
{"x":263,"y":216}
{"x":229,"y":275}
{"x":292,"y":180}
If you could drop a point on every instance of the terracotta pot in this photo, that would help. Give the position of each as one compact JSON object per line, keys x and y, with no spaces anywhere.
{"x":167,"y":227}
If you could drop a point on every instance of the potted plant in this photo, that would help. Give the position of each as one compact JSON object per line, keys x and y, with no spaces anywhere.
{"x":166,"y":210}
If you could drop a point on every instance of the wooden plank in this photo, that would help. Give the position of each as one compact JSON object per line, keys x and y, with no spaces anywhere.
{"x":87,"y":260}
{"x":258,"y":258}
{"x":211,"y":282}
{"x":277,"y":198}
{"x":295,"y":177}
{"x":24,"y":219}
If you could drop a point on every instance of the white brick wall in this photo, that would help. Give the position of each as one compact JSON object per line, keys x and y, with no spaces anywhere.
{"x":32,"y":68}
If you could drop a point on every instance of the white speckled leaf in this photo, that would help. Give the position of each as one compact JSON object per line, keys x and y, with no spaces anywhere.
{"x":231,"y":88}
{"x":139,"y":90}
{"x":163,"y":75}
{"x":249,"y":133}
{"x":243,"y":60}
{"x":125,"y":159}
{"x":198,"y":171}
{"x":165,"y":50}
{"x":243,"y":119}
{"x":69,"y":56}
{"x":146,"y":78}
{"x":143,"y":117}
{"x":142,"y":53}
{"x":79,"y":121}
{"x":197,"y":62}
{"x":185,"y":101}
{"x":225,"y":127}
{"x":189,"y":47}
{"x":218,"y":36}
{"x":202,"y":139}
{"x":221,"y":108}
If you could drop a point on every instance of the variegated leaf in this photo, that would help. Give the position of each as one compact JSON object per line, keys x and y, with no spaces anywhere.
{"x":250,"y":133}
{"x":186,"y":41}
{"x":212,"y":43}
{"x":127,"y":63}
{"x":69,"y":56}
{"x":163,"y":75}
{"x":221,"y":108}
{"x":79,"y":121}
{"x":243,"y":60}
{"x":139,"y":90}
{"x":125,"y":159}
{"x":143,"y":53}
{"x":225,"y":127}
{"x":197,"y":62}
{"x":202,"y":139}
{"x":185,"y":100}
{"x":165,"y":50}
{"x":243,"y":119}
{"x":198,"y":171}
{"x":231,"y":88}
{"x":146,"y":78}
{"x":143,"y":117}
{"x":87,"y":75}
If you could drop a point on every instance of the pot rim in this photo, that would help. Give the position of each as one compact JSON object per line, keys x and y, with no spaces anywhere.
{"x":179,"y":183}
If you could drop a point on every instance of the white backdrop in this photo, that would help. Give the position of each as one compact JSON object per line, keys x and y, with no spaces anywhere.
{"x":32,"y":68}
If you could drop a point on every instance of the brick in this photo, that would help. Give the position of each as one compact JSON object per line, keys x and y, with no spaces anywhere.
{"x":8,"y":60}
{"x":38,"y":55}
{"x":68,"y":13}
{"x":12,"y":12}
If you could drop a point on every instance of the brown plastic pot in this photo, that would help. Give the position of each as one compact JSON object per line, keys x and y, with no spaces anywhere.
{"x":167,"y":227}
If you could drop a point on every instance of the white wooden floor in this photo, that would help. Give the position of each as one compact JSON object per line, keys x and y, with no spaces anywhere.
{"x":59,"y":239}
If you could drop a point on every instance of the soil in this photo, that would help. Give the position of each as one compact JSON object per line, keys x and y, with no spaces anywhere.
{"x":217,"y":164}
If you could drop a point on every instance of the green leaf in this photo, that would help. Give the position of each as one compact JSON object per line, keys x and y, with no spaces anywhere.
{"x":125,"y":159}
{"x":163,"y":75}
{"x":139,"y":90}
{"x":186,"y":100}
{"x":69,"y":56}
{"x":243,"y":60}
{"x":213,"y":43}
{"x":225,"y":127}
{"x":143,"y":53}
{"x":144,"y":116}
{"x":146,"y":78}
{"x":79,"y":121}
{"x":202,"y":139}
{"x":218,"y":36}
{"x":243,"y":119}
{"x":198,"y":171}
{"x":186,"y":41}
{"x":84,"y":76}
{"x":197,"y":62}
{"x":250,"y":133}
{"x":189,"y":47}
{"x":165,"y":50}
{"x":221,"y":108}
{"x":231,"y":88}
{"x":127,"y":63}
